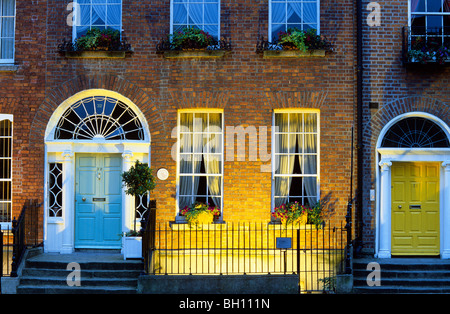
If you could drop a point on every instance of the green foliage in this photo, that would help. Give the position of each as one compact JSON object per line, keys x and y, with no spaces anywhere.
{"x":195,"y":212}
{"x":96,"y":39}
{"x":139,"y":179}
{"x":428,"y":50}
{"x":191,"y":38}
{"x":297,"y":39}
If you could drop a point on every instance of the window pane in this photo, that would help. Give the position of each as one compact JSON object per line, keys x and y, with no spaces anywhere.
{"x":7,"y":27}
{"x":5,"y":147}
{"x":417,"y":5}
{"x":196,"y":14}
{"x":7,"y":7}
{"x":434,"y":5}
{"x":310,"y":13}
{"x":179,"y":14}
{"x":294,"y":12}
{"x":211,"y":13}
{"x":310,"y":143}
{"x":310,"y":122}
{"x":310,"y":165}
{"x":278,"y":13}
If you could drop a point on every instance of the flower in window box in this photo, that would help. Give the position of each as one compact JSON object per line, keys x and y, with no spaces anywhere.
{"x":297,"y":214}
{"x":296,"y":39}
{"x":191,"y":38}
{"x":96,"y":39}
{"x":424,"y":50}
{"x":200,"y":213}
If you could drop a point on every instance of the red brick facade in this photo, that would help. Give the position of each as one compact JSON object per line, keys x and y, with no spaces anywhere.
{"x":394,"y":90}
{"x":244,"y":84}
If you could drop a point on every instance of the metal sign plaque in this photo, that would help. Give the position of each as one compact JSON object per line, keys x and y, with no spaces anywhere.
{"x":284,"y":243}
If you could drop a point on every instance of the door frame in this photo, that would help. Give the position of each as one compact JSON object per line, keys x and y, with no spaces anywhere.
{"x":384,"y":158}
{"x":59,"y":232}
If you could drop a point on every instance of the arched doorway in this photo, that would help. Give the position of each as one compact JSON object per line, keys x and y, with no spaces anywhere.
{"x":91,"y":138}
{"x":413,"y":184}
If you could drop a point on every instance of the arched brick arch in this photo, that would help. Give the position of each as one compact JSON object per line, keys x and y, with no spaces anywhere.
{"x":118,"y":84}
{"x":385,"y":114}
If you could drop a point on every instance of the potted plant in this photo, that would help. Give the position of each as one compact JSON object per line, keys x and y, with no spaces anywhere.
{"x":200,"y":213}
{"x":138,"y":181}
{"x":296,"y":214}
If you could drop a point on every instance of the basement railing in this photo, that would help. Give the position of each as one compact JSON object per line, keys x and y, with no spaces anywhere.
{"x":315,"y":255}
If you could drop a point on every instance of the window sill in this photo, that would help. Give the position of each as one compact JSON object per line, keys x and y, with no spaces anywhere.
{"x":8,"y":68}
{"x":189,"y":54}
{"x":101,"y":54}
{"x":271,"y":54}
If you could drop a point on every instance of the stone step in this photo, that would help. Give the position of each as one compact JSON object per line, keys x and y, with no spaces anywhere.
{"x":403,"y":275}
{"x":52,"y":289}
{"x":99,"y":274}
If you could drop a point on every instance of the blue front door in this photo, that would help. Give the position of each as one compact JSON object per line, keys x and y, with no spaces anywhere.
{"x":98,"y":199}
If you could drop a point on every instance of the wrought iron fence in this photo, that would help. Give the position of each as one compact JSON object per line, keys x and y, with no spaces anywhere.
{"x":315,"y":255}
{"x":425,"y":45}
{"x":23,"y":234}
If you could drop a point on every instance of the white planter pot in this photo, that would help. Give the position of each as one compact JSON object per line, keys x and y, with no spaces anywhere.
{"x":132,"y":247}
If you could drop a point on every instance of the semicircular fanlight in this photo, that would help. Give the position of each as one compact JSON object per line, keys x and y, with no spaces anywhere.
{"x":99,"y":117}
{"x":415,"y":132}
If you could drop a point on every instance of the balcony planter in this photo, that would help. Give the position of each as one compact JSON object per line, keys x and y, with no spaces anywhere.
{"x":131,"y":247}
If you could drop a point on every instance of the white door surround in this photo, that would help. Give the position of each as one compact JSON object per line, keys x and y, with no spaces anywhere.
{"x":384,"y":158}
{"x":59,"y":231}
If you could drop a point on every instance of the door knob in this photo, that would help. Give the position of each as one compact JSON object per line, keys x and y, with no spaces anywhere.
{"x":399,"y":206}
{"x":83,"y":199}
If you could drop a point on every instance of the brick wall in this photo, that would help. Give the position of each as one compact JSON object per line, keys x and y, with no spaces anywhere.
{"x":246,"y":86}
{"x":394,"y":89}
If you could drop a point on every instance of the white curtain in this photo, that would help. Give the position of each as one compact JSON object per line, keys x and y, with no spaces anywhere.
{"x":287,"y":143}
{"x":310,"y":164}
{"x":102,"y":14}
{"x":213,"y":161}
{"x":197,"y":14}
{"x":185,"y":184}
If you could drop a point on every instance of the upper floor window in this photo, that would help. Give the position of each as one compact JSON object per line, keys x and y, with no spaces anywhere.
{"x":7,"y":25}
{"x":300,"y":14}
{"x":203,"y":14}
{"x":101,"y":14}
{"x":430,"y":18}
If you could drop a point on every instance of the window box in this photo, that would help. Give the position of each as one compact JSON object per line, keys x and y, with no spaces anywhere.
{"x":99,"y":54}
{"x":193,"y":43}
{"x":194,"y":54}
{"x":295,"y":43}
{"x":270,"y":54}
{"x":96,"y":44}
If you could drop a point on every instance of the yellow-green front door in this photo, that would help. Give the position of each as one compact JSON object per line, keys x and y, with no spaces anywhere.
{"x":415,"y":208}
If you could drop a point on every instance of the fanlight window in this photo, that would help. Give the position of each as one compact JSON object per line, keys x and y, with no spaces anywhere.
{"x":99,"y":117}
{"x":415,"y":132}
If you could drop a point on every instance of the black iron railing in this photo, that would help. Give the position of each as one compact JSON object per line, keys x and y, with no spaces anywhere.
{"x":24,"y":233}
{"x":422,"y":45}
{"x":315,"y":255}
